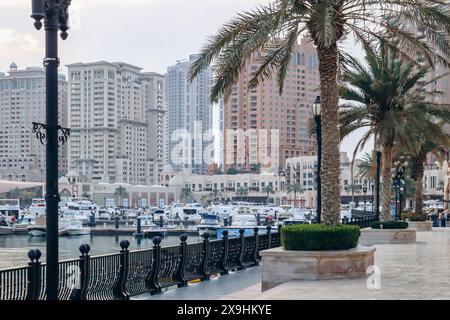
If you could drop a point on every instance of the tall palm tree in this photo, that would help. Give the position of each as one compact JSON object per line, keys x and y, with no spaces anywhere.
{"x":273,"y":31}
{"x":215,"y":194}
{"x":386,"y":97}
{"x":242,"y":192}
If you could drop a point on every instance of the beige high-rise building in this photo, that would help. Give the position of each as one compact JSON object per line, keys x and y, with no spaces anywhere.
{"x":274,"y":126}
{"x":117,"y":121}
{"x":22,"y":101}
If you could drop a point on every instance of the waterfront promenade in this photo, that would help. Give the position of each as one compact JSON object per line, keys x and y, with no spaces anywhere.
{"x":408,"y":271}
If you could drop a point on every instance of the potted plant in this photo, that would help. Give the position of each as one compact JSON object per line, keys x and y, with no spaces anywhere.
{"x":418,"y":222}
{"x":316,"y":252}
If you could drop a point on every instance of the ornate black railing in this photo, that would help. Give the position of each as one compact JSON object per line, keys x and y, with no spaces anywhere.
{"x":128,"y":273}
{"x":362,"y":222}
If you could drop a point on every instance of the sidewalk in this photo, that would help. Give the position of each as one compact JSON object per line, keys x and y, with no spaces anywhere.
{"x":408,"y":271}
{"x":212,"y":289}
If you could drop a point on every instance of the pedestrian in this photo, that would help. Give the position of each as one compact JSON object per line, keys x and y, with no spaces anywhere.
{"x":443,"y":217}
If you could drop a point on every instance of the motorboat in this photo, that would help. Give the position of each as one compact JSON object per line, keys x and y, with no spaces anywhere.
{"x":39,"y":228}
{"x":5,"y":227}
{"x":75,"y":228}
{"x":248,"y":222}
{"x":146,"y":221}
{"x":159,"y":214}
{"x":80,"y":209}
{"x":103,"y":214}
{"x":209,"y":223}
{"x":222,"y":211}
{"x":190,"y":213}
{"x":297,"y":217}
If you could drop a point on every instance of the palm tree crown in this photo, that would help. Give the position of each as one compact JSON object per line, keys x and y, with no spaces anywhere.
{"x":273,"y":31}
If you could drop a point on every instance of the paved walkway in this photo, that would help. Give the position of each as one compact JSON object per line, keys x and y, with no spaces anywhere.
{"x":212,"y":289}
{"x":408,"y":271}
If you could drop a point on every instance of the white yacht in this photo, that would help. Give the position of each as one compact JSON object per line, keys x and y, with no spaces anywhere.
{"x":80,"y":210}
{"x":209,"y":223}
{"x":38,"y":207}
{"x":189,"y":213}
{"x":5,"y":227}
{"x":75,"y":228}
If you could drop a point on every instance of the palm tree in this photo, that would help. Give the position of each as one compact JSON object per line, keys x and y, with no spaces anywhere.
{"x":432,"y":138}
{"x":215,"y":194}
{"x":273,"y":31}
{"x":186,"y":194}
{"x":120,"y":191}
{"x":241,"y":191}
{"x":268,"y":190}
{"x":295,"y":188}
{"x":367,"y":167}
{"x":390,"y":93}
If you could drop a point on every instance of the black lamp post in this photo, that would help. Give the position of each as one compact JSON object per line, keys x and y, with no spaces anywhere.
{"x":398,"y":183}
{"x":55,"y":15}
{"x":317,"y":119}
{"x":364,"y":190}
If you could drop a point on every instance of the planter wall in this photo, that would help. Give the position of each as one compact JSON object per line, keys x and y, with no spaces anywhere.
{"x":370,"y":237}
{"x":421,"y":225}
{"x":280,"y":266}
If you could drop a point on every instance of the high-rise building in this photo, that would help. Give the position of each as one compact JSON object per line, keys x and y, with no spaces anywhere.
{"x":264,"y":128}
{"x":190,"y":117}
{"x":117,"y":121}
{"x":22,"y":101}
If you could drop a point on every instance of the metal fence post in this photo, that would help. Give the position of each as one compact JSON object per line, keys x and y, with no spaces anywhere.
{"x":34,"y":275}
{"x":120,"y":290}
{"x":256,"y":253}
{"x":81,"y":290}
{"x":204,"y":266}
{"x":225,"y":252}
{"x":242,"y":251}
{"x":152,"y":282}
{"x":180,"y":276}
{"x":269,"y":237}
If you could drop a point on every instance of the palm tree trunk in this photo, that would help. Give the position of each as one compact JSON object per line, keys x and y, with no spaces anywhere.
{"x":330,"y":164}
{"x":418,"y":181}
{"x":386,"y":190}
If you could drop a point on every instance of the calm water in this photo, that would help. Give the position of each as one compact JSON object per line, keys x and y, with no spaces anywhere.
{"x":14,"y":248}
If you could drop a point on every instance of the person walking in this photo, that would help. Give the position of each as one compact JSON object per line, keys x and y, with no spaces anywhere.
{"x":443,"y":217}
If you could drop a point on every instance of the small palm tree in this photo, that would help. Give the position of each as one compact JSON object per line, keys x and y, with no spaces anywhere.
{"x":215,"y":194}
{"x":431,"y":139}
{"x":242,"y":192}
{"x":295,"y":188}
{"x":120,"y":191}
{"x":186,"y":194}
{"x":268,"y":190}
{"x":273,"y":31}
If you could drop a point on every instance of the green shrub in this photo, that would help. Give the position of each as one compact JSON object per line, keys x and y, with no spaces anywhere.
{"x":412,"y":216}
{"x":390,"y":225}
{"x":309,"y":237}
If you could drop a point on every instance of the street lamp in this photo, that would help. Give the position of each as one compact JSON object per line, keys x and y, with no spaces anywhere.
{"x":398,"y":183}
{"x":55,"y":15}
{"x":364,"y":190}
{"x":317,"y":119}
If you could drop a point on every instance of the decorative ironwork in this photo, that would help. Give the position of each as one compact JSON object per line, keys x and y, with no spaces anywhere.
{"x":215,"y":257}
{"x":249,"y":251}
{"x":41,"y":132}
{"x":129,"y":273}
{"x":194,"y":258}
{"x":234,"y":252}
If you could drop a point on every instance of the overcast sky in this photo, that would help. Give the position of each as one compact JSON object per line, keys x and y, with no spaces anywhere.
{"x":152,"y":34}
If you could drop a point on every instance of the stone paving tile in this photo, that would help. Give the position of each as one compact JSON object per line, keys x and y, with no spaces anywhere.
{"x":408,"y":271}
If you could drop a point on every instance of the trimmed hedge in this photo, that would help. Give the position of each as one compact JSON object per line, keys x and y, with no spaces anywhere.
{"x":390,"y":225}
{"x":412,"y":216}
{"x":320,"y":237}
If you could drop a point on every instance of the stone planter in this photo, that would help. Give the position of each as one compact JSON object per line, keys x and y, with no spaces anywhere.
{"x":280,"y":266}
{"x":421,"y":225}
{"x":370,"y":237}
